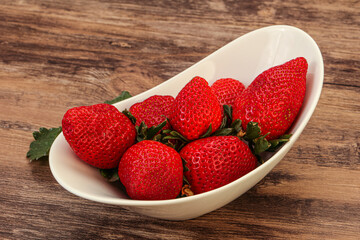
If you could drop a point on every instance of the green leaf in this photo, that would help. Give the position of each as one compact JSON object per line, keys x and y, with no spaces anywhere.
{"x":123,"y":95}
{"x":252,"y":131}
{"x":180,"y":146}
{"x":130,"y":116}
{"x":110,"y":175}
{"x":166,"y":131}
{"x":208,"y":132}
{"x":170,"y":138}
{"x":140,"y":131}
{"x":223,"y":122}
{"x":185,"y":181}
{"x":276,"y":143}
{"x":141,"y":127}
{"x":169,"y":144}
{"x":261,"y":145}
{"x":259,"y":159}
{"x":178,"y":136}
{"x":184,"y":165}
{"x":44,"y":138}
{"x":228,"y":111}
{"x":152,"y":133}
{"x":157,"y":137}
{"x":153,"y":130}
{"x":236,"y":125}
{"x":223,"y":132}
{"x":37,"y":134}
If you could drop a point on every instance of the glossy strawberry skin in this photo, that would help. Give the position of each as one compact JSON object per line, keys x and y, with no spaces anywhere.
{"x":216,"y":161}
{"x":274,"y":98}
{"x":153,"y":110}
{"x":227,"y":90}
{"x":150,"y":170}
{"x":98,"y":134}
{"x":194,"y":109}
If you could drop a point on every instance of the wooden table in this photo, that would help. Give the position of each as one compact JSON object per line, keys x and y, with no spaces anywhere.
{"x":55,"y":55}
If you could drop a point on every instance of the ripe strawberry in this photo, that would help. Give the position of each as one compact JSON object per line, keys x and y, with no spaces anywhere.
{"x":152,"y":111}
{"x":194,"y":109}
{"x":213,"y":162}
{"x":150,"y":170}
{"x":98,"y":134}
{"x":227,"y":90}
{"x":274,"y":98}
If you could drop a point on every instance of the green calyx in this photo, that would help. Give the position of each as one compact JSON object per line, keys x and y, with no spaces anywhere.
{"x":131,"y":117}
{"x":259,"y":144}
{"x":152,"y":133}
{"x":174,"y":139}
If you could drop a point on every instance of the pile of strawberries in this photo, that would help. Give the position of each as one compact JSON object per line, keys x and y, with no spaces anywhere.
{"x":204,"y":138}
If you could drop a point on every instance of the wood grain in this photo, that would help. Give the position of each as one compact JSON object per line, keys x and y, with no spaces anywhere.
{"x":59,"y":54}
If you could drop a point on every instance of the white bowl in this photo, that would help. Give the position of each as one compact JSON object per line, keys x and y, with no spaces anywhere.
{"x":243,"y":59}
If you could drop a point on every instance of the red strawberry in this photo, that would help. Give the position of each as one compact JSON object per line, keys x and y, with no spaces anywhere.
{"x":194,"y":109}
{"x":98,"y":134}
{"x":216,"y":161}
{"x":151,"y":170}
{"x":274,"y":98}
{"x":152,"y":111}
{"x":227,"y":90}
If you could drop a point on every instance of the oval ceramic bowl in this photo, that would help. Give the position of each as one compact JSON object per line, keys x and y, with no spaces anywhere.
{"x":243,"y":59}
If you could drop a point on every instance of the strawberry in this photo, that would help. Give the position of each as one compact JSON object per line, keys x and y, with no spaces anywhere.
{"x":195,"y":108}
{"x":152,"y":111}
{"x":98,"y":134}
{"x":274,"y":98}
{"x":227,"y":90}
{"x":150,"y":170}
{"x":215,"y":161}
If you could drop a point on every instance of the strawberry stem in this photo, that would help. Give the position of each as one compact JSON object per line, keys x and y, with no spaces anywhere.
{"x":186,"y":191}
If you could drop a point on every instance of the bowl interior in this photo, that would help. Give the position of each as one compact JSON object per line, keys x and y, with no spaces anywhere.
{"x":243,"y":59}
